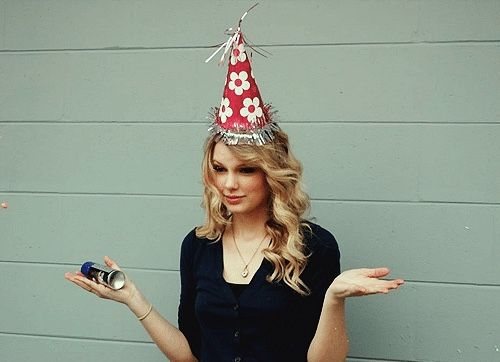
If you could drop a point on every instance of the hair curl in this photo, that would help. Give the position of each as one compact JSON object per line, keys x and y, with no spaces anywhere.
{"x":287,"y":204}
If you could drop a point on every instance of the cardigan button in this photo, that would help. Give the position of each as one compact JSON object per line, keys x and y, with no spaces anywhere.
{"x":236,"y":334}
{"x":237,"y":359}
{"x":236,"y":307}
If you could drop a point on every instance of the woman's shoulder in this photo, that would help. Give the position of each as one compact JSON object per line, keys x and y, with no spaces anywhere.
{"x":193,"y":243}
{"x":323,"y":256}
{"x":317,"y":237}
{"x":193,"y":246}
{"x":191,"y":240}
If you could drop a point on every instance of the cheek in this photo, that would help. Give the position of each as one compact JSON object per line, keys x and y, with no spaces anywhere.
{"x":260,"y":188}
{"x":217,"y":182}
{"x":213,"y":180}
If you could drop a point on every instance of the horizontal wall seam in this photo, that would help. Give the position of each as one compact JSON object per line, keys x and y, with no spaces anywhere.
{"x":201,"y":47}
{"x":49,"y":336}
{"x":161,"y":270}
{"x":99,"y":194}
{"x":433,"y":282}
{"x":155,"y":195}
{"x":381,"y":359}
{"x":420,"y":202}
{"x":77,"y":266}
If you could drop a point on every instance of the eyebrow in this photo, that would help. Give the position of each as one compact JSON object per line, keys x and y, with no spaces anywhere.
{"x":216,"y":161}
{"x":243,"y":164}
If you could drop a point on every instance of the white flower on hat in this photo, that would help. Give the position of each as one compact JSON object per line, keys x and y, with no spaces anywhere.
{"x":238,"y":82}
{"x":225,"y":111}
{"x":251,"y":109}
{"x":238,"y":54}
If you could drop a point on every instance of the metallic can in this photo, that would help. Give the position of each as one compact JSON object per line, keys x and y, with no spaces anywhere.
{"x":102,"y":274}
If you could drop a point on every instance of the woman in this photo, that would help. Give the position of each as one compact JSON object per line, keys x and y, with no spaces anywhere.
{"x":258,"y":282}
{"x":291,"y":301}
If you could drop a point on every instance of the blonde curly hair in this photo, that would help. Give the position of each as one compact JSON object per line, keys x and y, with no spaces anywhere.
{"x":287,"y":205}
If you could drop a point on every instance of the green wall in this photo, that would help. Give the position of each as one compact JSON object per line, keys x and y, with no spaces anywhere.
{"x":393,"y":106}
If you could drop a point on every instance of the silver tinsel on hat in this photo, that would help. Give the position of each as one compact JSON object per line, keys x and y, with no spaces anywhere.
{"x":259,"y":135}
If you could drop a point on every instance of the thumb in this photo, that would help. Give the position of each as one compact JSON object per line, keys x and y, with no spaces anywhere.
{"x":111,"y":263}
{"x":378,"y":272}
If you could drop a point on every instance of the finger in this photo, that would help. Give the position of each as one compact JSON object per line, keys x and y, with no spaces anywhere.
{"x":80,"y":283}
{"x":387,"y":284}
{"x":89,"y":285}
{"x":397,"y":282}
{"x":386,"y":287}
{"x":393,"y":284}
{"x":85,"y":281}
{"x":100,"y":290}
{"x":378,"y":272}
{"x":361,"y":291}
{"x":376,"y":290}
{"x":357,"y":290}
{"x":70,"y":276}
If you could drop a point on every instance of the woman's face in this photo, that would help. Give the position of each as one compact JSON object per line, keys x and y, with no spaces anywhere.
{"x":243,"y":187}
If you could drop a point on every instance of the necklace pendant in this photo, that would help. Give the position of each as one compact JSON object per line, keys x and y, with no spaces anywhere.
{"x":244,"y":273}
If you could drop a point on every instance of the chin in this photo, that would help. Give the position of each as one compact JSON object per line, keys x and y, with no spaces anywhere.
{"x":236,"y":209}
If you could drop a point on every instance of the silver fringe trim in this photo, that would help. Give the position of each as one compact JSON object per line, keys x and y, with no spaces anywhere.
{"x":256,"y":136}
{"x":259,"y":135}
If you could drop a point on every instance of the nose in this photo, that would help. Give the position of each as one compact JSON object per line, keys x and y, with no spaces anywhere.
{"x":231,"y":181}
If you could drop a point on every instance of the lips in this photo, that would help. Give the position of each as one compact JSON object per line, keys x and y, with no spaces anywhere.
{"x":233,"y":198}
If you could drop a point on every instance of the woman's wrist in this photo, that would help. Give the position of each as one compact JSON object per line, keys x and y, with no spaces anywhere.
{"x":138,"y":304}
{"x":333,"y":298}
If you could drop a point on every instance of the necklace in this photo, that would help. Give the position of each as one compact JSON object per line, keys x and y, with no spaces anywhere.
{"x":244,"y":273}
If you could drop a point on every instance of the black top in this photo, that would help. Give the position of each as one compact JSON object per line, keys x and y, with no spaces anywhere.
{"x":269,"y":321}
{"x":237,"y":289}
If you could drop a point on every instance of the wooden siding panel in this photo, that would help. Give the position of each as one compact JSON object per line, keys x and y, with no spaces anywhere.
{"x":391,"y":105}
{"x":42,"y":302}
{"x":55,"y":25}
{"x":421,"y":241}
{"x":40,"y":348}
{"x":454,"y":243}
{"x":137,"y":231}
{"x":355,"y":162}
{"x":387,"y":83}
{"x":422,"y":321}
{"x":427,"y":322}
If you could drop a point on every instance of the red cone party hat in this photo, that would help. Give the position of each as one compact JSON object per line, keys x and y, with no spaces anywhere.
{"x":242,"y":116}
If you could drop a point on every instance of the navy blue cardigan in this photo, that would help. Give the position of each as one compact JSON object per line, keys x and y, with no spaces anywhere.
{"x":270,"y":321}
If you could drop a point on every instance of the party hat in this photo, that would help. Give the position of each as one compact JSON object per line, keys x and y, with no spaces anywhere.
{"x":242,"y":116}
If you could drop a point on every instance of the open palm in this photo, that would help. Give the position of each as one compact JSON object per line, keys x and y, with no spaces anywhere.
{"x":358,"y":282}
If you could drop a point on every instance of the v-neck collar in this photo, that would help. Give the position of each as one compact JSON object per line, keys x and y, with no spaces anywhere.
{"x":257,"y":278}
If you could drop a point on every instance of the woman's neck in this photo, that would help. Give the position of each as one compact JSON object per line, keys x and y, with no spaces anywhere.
{"x":249,"y":228}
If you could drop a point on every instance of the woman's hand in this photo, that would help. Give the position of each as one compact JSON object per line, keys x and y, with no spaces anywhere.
{"x":358,"y":282}
{"x":124,"y":295}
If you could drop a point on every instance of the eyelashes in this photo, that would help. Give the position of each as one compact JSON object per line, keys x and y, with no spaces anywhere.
{"x":248,"y":170}
{"x":218,"y":169}
{"x":244,"y":170}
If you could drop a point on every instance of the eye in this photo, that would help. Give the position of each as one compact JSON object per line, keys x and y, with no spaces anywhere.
{"x":218,"y":168}
{"x":248,"y":170}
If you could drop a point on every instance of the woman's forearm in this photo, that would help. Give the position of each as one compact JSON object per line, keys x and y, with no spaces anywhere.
{"x":169,"y":339}
{"x":330,"y":341}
